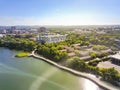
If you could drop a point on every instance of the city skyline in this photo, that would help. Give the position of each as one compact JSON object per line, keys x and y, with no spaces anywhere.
{"x":59,"y":12}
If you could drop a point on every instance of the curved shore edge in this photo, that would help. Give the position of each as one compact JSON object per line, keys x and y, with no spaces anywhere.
{"x":77,"y":73}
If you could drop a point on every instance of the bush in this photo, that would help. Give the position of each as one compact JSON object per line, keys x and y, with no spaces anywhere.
{"x":76,"y":63}
{"x":93,"y":54}
{"x":102,"y":55}
{"x":52,"y":52}
{"x":93,"y":62}
{"x":99,"y":47}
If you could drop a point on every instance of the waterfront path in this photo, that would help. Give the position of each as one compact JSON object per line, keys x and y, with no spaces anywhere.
{"x":84,"y":75}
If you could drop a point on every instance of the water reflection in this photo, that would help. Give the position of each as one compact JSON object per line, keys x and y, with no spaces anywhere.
{"x":88,"y":85}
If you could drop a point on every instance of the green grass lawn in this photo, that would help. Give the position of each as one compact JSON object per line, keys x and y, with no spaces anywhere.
{"x":22,"y":54}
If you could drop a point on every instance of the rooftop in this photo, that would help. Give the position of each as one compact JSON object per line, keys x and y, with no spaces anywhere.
{"x":116,"y":56}
{"x":57,"y":35}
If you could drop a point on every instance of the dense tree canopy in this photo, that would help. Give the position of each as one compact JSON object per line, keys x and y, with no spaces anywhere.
{"x":16,"y":43}
{"x":51,"y":51}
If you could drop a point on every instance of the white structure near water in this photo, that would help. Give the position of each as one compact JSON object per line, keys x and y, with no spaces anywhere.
{"x":51,"y":38}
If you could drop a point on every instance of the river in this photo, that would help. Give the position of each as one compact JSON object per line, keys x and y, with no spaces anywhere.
{"x":32,"y":74}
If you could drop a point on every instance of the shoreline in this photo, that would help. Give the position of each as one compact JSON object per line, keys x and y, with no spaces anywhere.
{"x":72,"y":71}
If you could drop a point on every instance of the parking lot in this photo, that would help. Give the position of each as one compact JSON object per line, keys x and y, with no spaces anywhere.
{"x":108,"y":64}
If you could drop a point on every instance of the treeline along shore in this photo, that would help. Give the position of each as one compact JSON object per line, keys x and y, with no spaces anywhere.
{"x":52,"y":52}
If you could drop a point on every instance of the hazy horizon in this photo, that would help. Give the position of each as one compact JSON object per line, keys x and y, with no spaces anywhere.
{"x":59,"y":12}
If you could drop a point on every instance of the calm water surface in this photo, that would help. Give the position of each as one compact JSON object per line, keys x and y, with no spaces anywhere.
{"x":32,"y":74}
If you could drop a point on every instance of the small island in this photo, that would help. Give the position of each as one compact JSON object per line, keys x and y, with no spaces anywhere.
{"x":22,"y":54}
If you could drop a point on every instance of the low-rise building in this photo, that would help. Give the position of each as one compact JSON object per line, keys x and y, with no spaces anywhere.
{"x":4,"y":31}
{"x":42,"y":30}
{"x":117,"y":41}
{"x":116,"y":58}
{"x":51,"y":38}
{"x":2,"y":35}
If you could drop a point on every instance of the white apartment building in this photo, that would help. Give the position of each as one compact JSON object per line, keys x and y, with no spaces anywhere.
{"x":51,"y":38}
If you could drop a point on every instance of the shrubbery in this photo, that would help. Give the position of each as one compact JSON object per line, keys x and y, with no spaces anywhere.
{"x":99,"y":47}
{"x":51,"y":51}
{"x":109,"y":74}
{"x":17,"y":43}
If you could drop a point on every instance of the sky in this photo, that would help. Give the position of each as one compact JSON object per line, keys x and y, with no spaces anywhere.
{"x":59,"y":12}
